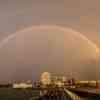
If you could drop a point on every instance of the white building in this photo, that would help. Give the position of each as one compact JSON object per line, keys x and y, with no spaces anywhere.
{"x":22,"y":85}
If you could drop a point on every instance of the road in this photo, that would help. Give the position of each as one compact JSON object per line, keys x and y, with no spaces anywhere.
{"x":87,"y":93}
{"x":58,"y":94}
{"x":65,"y":94}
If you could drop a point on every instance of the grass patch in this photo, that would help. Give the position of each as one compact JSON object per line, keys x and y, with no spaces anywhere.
{"x":17,"y":94}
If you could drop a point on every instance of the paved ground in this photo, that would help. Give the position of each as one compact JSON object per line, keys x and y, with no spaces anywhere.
{"x":54,"y":95}
{"x":65,"y":94}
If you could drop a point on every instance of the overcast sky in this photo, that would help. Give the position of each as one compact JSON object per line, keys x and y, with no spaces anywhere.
{"x":80,"y":15}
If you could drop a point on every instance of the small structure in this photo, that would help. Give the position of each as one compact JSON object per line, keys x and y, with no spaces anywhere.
{"x":98,"y":84}
{"x":59,"y":83}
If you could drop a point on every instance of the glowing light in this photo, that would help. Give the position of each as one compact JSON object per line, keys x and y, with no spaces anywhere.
{"x":46,"y":78}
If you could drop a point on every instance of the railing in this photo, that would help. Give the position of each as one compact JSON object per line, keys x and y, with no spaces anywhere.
{"x":72,"y":95}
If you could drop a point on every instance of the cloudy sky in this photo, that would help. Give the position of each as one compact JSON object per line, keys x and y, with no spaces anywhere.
{"x":79,"y":15}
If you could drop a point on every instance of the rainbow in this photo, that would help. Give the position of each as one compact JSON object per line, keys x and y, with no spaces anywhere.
{"x":60,"y":28}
